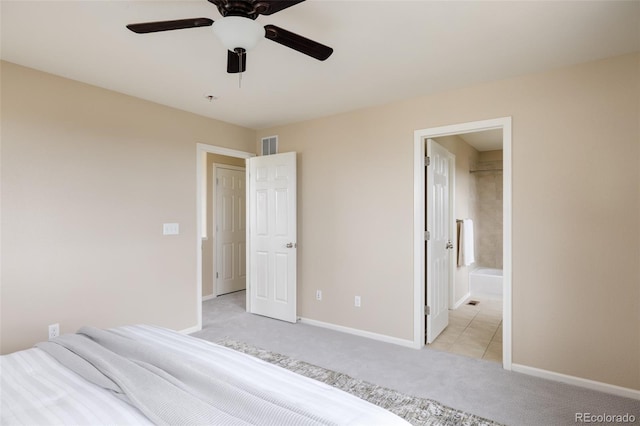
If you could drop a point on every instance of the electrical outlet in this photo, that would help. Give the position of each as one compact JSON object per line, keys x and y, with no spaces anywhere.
{"x":54,"y":330}
{"x":357,"y":302}
{"x":318,"y":294}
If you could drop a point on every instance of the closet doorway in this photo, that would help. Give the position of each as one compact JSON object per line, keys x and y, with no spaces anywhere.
{"x":229,"y":228}
{"x":206,"y":156}
{"x":223,"y":235}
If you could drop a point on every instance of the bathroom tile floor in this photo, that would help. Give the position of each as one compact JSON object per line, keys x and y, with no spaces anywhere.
{"x":474,"y":331}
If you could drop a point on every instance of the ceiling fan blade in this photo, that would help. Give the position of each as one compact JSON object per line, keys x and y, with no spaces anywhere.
{"x":297,"y":42}
{"x":269,"y":7}
{"x":179,"y":24}
{"x":236,"y":62}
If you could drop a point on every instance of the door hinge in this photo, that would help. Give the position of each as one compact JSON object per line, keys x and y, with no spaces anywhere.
{"x":217,"y":275}
{"x":217,"y":181}
{"x":427,"y":310}
{"x":427,"y":161}
{"x":427,"y":235}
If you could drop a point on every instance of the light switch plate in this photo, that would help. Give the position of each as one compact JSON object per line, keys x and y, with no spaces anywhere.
{"x":170,"y":229}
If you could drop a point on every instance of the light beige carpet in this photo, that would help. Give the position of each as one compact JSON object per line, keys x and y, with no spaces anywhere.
{"x":470,"y":385}
{"x":417,"y":411}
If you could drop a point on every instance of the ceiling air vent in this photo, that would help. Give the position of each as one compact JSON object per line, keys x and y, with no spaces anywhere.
{"x":269,"y":145}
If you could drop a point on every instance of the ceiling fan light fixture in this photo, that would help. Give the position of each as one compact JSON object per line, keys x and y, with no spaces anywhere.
{"x":237,"y":32}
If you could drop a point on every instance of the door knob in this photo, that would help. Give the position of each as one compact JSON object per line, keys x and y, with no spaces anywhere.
{"x":289,"y":245}
{"x":449,"y":245}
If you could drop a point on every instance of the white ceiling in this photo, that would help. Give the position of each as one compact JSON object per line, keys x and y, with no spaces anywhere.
{"x":384,"y":50}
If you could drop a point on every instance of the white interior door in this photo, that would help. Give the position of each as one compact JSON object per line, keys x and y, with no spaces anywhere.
{"x":231,"y":250}
{"x":440,"y":241}
{"x":272,"y":236}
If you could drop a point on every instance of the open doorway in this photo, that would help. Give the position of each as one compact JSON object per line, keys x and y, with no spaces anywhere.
{"x":474,"y":326}
{"x":224,"y":239}
{"x":205,"y":155}
{"x":460,"y":292}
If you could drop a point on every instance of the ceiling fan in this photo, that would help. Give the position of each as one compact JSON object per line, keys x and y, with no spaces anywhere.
{"x":239,"y":32}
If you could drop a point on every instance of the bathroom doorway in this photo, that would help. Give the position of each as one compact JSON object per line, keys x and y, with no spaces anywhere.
{"x":475,"y":303}
{"x":480,"y":312}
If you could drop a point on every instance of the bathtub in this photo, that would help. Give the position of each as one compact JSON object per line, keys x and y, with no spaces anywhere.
{"x":486,"y":282}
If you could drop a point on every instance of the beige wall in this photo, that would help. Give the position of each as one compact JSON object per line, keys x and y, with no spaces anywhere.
{"x":495,"y":155}
{"x":465,"y":200}
{"x":88,"y":178}
{"x":576,"y":224}
{"x":208,"y":249}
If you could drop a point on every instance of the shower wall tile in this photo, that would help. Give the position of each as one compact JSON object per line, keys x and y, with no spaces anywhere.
{"x":488,"y":205}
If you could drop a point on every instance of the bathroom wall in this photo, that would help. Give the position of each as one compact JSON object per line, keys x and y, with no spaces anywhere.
{"x":488,"y":199}
{"x":466,"y":205}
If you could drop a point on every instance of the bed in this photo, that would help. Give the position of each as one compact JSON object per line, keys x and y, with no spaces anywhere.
{"x":150,"y":375}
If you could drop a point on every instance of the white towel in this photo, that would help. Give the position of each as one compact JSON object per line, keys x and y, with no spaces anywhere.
{"x":466,"y":254}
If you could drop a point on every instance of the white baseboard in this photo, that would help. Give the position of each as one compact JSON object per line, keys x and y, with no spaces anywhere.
{"x":357,"y":332}
{"x":209,"y":297}
{"x":190,"y":330}
{"x":461,"y":301}
{"x":577,"y":381}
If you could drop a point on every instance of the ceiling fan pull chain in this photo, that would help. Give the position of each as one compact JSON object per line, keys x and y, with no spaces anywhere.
{"x":240,"y":52}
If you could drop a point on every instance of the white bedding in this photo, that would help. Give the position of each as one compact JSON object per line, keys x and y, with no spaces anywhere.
{"x":37,"y":390}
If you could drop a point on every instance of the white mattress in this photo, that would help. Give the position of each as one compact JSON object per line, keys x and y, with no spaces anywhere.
{"x":37,"y":390}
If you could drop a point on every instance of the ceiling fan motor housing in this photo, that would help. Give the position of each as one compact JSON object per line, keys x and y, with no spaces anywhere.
{"x":247,"y":9}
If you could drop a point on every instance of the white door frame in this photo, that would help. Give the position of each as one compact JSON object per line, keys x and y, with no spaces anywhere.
{"x":201,"y":175}
{"x":420,"y":136}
